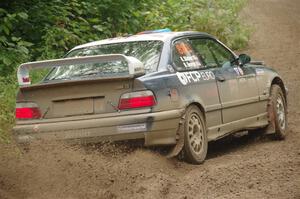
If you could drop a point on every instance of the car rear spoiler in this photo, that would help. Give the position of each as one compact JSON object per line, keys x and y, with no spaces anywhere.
{"x":135,"y":66}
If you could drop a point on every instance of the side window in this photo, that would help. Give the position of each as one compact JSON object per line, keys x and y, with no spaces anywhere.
{"x":184,"y":57}
{"x":212,"y":53}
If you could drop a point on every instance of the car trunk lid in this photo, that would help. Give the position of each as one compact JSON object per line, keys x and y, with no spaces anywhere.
{"x":66,"y":99}
{"x":80,"y":96}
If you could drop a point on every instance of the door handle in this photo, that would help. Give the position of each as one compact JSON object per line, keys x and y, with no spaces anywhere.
{"x":220,"y":78}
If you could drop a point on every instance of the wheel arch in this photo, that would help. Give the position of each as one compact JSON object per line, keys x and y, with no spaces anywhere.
{"x":278,"y":81}
{"x":200,"y":106}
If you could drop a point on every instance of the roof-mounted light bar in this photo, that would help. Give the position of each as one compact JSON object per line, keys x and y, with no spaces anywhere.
{"x":155,"y":31}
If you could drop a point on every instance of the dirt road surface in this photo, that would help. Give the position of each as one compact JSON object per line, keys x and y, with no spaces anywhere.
{"x":246,"y":167}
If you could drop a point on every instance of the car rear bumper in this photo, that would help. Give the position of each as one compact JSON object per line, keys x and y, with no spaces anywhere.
{"x":157,"y":128}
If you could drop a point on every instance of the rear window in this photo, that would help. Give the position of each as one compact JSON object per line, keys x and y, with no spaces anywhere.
{"x":147,"y":52}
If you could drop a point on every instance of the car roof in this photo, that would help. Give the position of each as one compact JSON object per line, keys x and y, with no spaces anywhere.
{"x":162,"y":36}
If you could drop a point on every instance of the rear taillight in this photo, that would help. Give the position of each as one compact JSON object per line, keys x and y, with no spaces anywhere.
{"x":27,"y":111}
{"x":138,"y":99}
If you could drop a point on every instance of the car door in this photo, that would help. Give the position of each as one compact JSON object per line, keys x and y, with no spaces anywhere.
{"x":198,"y":82}
{"x":249,"y":92}
{"x":237,"y":86}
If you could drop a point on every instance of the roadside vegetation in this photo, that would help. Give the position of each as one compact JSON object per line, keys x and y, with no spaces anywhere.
{"x":47,"y":29}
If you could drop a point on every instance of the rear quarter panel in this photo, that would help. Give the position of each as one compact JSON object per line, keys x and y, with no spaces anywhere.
{"x":172,"y":94}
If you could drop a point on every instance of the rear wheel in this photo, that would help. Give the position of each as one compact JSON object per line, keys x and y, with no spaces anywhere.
{"x":279,"y":109}
{"x":195,"y":137}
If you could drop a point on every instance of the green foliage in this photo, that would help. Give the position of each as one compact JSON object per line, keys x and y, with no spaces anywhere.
{"x":46,"y":29}
{"x":217,"y":17}
{"x":13,"y":49}
{"x":7,"y":102}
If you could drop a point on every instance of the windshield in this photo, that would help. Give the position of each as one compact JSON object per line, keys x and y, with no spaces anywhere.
{"x":148,"y":52}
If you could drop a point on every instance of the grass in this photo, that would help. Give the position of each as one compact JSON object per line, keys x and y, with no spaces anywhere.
{"x":8,"y":87}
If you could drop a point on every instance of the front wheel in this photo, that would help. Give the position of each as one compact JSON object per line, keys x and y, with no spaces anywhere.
{"x":195,"y":136}
{"x":279,"y":109}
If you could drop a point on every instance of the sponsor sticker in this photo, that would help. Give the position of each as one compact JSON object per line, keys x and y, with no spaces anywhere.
{"x":191,"y":61}
{"x":187,"y":56}
{"x":241,"y":71}
{"x":132,"y":128}
{"x":195,"y":76}
{"x":238,"y":71}
{"x":183,"y":48}
{"x":259,"y":71}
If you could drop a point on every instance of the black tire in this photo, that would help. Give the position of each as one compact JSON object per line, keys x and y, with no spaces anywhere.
{"x":279,"y":109}
{"x":195,"y":136}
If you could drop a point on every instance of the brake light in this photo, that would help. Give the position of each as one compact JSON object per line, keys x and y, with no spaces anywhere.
{"x":138,"y":99}
{"x":27,"y":111}
{"x":26,"y":80}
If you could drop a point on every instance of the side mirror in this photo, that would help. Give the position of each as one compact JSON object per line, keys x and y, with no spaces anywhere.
{"x":244,"y":59}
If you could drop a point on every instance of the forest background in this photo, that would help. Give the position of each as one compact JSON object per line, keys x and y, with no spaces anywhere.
{"x":46,"y":29}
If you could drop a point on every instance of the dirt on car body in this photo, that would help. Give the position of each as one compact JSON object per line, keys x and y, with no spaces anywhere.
{"x":246,"y":167}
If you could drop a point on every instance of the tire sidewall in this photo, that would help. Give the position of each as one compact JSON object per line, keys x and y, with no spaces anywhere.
{"x":189,"y":153}
{"x":276,"y":92}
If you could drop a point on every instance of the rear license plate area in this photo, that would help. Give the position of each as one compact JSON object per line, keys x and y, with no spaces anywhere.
{"x":73,"y":107}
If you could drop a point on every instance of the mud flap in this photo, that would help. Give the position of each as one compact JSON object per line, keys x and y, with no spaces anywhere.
{"x":180,"y":139}
{"x":271,"y":118}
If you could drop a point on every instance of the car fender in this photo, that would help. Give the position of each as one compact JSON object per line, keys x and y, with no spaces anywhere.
{"x":266,"y":77}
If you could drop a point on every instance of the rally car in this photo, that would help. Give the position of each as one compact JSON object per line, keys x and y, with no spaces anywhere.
{"x":167,"y":88}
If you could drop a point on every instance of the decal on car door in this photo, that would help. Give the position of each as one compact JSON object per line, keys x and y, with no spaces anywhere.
{"x":195,"y":76}
{"x":238,"y":70}
{"x":259,"y":71}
